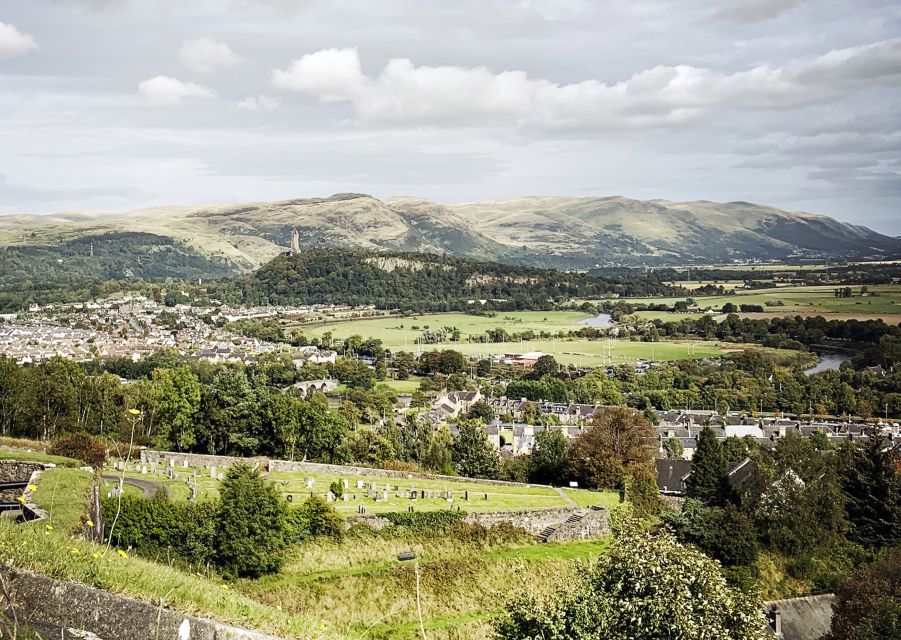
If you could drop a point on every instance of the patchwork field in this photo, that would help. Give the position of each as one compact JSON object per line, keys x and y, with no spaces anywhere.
{"x":388,"y":494}
{"x":399,"y":334}
{"x":883,"y":301}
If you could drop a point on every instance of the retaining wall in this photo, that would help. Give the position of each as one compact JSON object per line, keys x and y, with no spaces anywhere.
{"x":594,"y":523}
{"x":59,"y":605}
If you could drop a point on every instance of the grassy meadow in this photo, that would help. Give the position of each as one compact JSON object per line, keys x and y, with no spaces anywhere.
{"x":360,"y":589}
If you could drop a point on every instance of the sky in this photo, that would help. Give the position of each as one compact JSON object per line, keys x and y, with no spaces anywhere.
{"x":123,"y":104}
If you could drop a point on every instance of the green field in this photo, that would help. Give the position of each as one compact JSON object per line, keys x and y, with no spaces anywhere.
{"x":884,"y":302}
{"x":399,"y":334}
{"x":499,"y":497}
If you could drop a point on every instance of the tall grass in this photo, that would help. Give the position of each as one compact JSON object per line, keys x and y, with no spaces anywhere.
{"x":57,"y":555}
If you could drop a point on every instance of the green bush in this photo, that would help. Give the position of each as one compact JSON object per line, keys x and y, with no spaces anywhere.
{"x":313,"y":519}
{"x":160,"y":527}
{"x":427,"y":522}
{"x":81,"y":446}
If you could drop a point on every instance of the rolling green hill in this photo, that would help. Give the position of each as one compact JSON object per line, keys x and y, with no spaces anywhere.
{"x":559,"y":232}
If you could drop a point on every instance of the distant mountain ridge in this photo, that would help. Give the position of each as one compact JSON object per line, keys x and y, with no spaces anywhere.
{"x":549,"y":231}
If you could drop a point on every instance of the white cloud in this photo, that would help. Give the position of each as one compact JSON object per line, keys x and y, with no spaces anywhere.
{"x":662,"y":95}
{"x":13,"y":42}
{"x":205,"y":55}
{"x":166,"y":90}
{"x":259,"y":103}
{"x":331,"y":74}
{"x":755,"y":10}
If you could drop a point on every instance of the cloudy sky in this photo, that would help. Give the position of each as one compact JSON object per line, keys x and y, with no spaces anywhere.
{"x":121,"y":104}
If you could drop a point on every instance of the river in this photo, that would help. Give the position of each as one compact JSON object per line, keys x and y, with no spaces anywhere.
{"x":828,"y":362}
{"x":600,"y":320}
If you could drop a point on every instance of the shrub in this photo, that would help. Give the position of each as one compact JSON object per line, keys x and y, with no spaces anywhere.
{"x":337,"y":488}
{"x":647,"y":587}
{"x":81,"y":446}
{"x":868,"y":603}
{"x":314,"y":518}
{"x":427,"y":522}
{"x":160,"y":527}
{"x":723,"y":534}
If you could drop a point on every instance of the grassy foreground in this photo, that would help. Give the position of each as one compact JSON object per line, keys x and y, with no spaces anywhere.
{"x":362,"y":590}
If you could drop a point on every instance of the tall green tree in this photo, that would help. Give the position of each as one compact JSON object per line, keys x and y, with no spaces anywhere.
{"x":175,"y":395}
{"x":473,"y":455}
{"x":252,"y":524}
{"x":605,"y":454}
{"x":548,"y":461}
{"x":708,"y":481}
{"x":872,"y":487}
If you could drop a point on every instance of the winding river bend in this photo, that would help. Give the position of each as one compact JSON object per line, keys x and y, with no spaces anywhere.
{"x":828,"y":362}
{"x":600,"y":320}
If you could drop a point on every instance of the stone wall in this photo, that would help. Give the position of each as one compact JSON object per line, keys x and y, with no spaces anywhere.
{"x":162,"y":458}
{"x":532,"y":520}
{"x":594,"y":523}
{"x":17,"y":471}
{"x":54,"y":604}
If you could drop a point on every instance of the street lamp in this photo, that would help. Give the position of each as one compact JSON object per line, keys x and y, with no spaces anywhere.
{"x":406,"y":556}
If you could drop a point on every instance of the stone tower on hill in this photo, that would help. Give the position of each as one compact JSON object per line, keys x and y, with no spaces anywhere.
{"x":295,"y":241}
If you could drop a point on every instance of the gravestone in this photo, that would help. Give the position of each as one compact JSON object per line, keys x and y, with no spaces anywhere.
{"x":184,"y":463}
{"x":212,"y":473}
{"x":143,"y":471}
{"x":309,"y":483}
{"x":466,"y":496}
{"x":359,"y":484}
{"x":220,"y":476}
{"x":344,"y":497}
{"x":330,"y":497}
{"x":413,"y":494}
{"x":289,"y":498}
{"x":344,"y":482}
{"x":152,"y":467}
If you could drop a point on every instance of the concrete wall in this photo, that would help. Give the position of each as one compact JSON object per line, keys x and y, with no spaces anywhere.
{"x":58,"y":605}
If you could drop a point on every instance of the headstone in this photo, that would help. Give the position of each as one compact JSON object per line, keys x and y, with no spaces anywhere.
{"x":344,"y":497}
{"x":120,"y":466}
{"x":344,"y":482}
{"x":184,"y":463}
{"x":289,"y":498}
{"x":330,"y":497}
{"x":413,"y":495}
{"x":387,"y":486}
{"x":486,"y":496}
{"x":309,"y":484}
{"x":220,"y":476}
{"x":143,"y":471}
{"x":359,"y":484}
{"x":171,"y":462}
{"x":213,"y":473}
{"x":152,"y":467}
{"x":466,"y":496}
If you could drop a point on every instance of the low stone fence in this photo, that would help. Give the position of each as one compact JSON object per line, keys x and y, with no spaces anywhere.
{"x":67,"y":606}
{"x":591,"y":524}
{"x":29,"y":473}
{"x":182,"y":460}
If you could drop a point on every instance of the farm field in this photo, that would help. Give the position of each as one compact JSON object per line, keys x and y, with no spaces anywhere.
{"x":482,"y":496}
{"x":401,"y":332}
{"x":884,"y":301}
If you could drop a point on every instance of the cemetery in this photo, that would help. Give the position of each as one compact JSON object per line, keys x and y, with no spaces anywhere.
{"x":352,"y":490}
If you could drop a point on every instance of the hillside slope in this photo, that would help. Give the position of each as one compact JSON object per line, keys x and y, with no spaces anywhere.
{"x":561,"y":232}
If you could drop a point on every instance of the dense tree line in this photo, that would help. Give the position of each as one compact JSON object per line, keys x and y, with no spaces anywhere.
{"x":421,"y":282}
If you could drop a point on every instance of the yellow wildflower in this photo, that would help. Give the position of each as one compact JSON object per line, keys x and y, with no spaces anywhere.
{"x":48,"y":527}
{"x":21,"y":499}
{"x":32,"y":488}
{"x":96,"y":555}
{"x":89,"y":523}
{"x":75,"y":551}
{"x":122,"y":553}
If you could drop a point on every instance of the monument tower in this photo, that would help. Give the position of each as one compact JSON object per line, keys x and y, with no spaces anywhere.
{"x":295,"y":241}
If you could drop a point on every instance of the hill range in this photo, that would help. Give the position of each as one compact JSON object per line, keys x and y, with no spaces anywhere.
{"x":558,"y":232}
